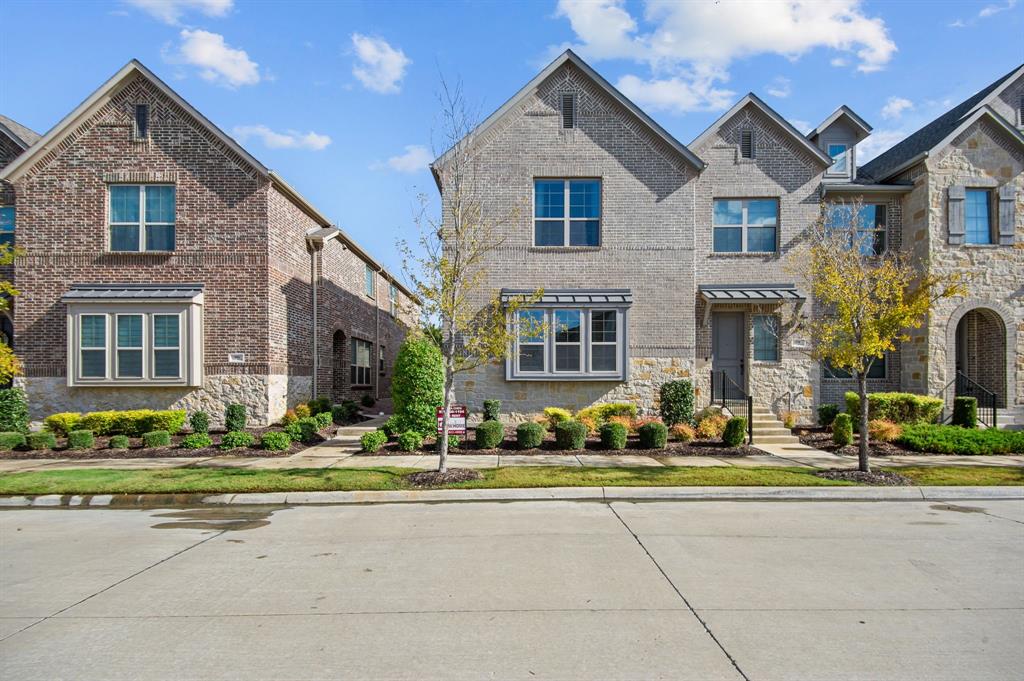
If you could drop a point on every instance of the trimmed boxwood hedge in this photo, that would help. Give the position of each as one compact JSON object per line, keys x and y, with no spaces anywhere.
{"x":489,"y":434}
{"x":132,"y":423}
{"x":118,"y":442}
{"x":613,"y":436}
{"x":735,"y":431}
{"x":81,"y":439}
{"x":896,"y":407}
{"x":235,"y":417}
{"x":196,"y":441}
{"x":43,"y":439}
{"x":529,"y":435}
{"x":965,"y":412}
{"x":653,"y":435}
{"x":200,"y":422}
{"x":236,"y":439}
{"x":275,"y":441}
{"x":842,"y":430}
{"x":961,"y":441}
{"x":373,"y":441}
{"x":570,"y":435}
{"x":410,"y":441}
{"x":676,"y":402}
{"x":11,"y":440}
{"x":156,"y":438}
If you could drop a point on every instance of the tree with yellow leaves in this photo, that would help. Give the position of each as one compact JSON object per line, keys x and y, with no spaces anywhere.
{"x":867,"y":298}
{"x":9,"y":364}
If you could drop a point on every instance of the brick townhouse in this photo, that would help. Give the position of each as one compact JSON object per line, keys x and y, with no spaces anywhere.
{"x":164,"y":266}
{"x":662,"y":260}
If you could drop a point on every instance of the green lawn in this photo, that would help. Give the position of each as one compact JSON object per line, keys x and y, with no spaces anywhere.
{"x":213,"y":480}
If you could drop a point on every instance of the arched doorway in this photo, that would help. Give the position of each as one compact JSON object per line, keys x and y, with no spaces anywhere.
{"x":339,"y":366}
{"x":980,"y":350}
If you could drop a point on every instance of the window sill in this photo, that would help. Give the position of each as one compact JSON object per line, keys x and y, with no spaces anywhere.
{"x":981,"y":246}
{"x":141,"y":252}
{"x":108,"y":383}
{"x":361,"y":386}
{"x":565,"y":378}
{"x":563,"y":249}
{"x":743,"y":254}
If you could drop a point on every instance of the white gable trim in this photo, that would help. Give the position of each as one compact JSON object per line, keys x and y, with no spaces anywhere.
{"x":14,"y":138}
{"x":841,"y":112}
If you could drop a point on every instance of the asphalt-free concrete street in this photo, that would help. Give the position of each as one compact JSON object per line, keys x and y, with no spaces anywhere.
{"x":530,"y":590}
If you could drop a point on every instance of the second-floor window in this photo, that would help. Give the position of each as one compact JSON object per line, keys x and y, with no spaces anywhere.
{"x":393,"y":299}
{"x":745,"y":225}
{"x":978,"y":216}
{"x":142,"y":217}
{"x":7,"y":225}
{"x":870,"y":226}
{"x":567,"y":212}
{"x":840,"y":155}
{"x":371,"y":281}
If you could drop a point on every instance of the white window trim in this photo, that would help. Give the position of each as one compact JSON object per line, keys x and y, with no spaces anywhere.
{"x":847,"y":158}
{"x":154,"y":348}
{"x":586,"y":371}
{"x":540,"y":340}
{"x":991,"y":197}
{"x":142,"y":223}
{"x":393,"y":300}
{"x":12,"y":228}
{"x":565,"y":219}
{"x":77,"y":333}
{"x":140,"y":348}
{"x":616,"y":343}
{"x":745,"y":223}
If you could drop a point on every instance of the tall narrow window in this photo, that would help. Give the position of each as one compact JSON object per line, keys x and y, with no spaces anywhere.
{"x":142,"y":217}
{"x":166,"y":346}
{"x":7,"y":225}
{"x":978,"y":217}
{"x":745,"y":225}
{"x":568,"y":342}
{"x":141,"y":121}
{"x":840,"y":155}
{"x":393,"y":298}
{"x":93,"y":345}
{"x":766,"y":338}
{"x":568,"y":110}
{"x":129,"y":346}
{"x":362,"y":351}
{"x":380,"y":358}
{"x":371,"y":281}
{"x":747,"y":143}
{"x":530,"y":355}
{"x":567,"y":212}
{"x":603,"y":346}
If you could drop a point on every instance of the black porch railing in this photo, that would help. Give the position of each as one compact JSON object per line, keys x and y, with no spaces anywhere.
{"x":728,"y":395}
{"x":964,"y":386}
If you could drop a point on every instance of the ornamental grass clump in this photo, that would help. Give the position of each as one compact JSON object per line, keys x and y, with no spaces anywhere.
{"x":570,"y":435}
{"x":81,"y":439}
{"x":489,"y":434}
{"x":529,"y":435}
{"x":373,"y":441}
{"x":735,"y":431}
{"x":653,"y":435}
{"x":613,"y":436}
{"x":682,"y":432}
{"x":884,"y":431}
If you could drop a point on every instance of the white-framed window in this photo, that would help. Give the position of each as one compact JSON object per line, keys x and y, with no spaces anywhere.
{"x":567,"y":343}
{"x":370,"y":281}
{"x":7,"y":225}
{"x":141,"y":217}
{"x":92,"y":330}
{"x":166,"y":345}
{"x":745,"y":225}
{"x":766,"y":337}
{"x":567,"y":212}
{"x":604,"y":340}
{"x":361,"y":363}
{"x":128,"y":346}
{"x":840,"y":155}
{"x":978,"y":216}
{"x":871,"y":225}
{"x":393,"y":300}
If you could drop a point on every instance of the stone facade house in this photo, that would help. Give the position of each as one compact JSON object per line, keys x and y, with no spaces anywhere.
{"x":660,"y":260}
{"x":164,"y":266}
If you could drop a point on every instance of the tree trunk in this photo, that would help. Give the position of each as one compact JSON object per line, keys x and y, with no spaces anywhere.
{"x":442,"y":438}
{"x":862,"y":447}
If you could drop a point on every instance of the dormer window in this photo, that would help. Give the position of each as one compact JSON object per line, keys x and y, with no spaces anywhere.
{"x":141,"y":121}
{"x":747,"y":144}
{"x":568,"y":110}
{"x":840,"y":155}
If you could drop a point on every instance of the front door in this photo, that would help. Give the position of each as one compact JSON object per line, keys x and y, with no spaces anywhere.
{"x":727,"y":347}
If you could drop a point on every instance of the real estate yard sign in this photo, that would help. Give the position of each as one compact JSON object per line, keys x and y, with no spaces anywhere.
{"x":456,"y":419}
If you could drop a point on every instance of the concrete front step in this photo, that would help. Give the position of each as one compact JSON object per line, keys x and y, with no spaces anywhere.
{"x":775,"y":439}
{"x":780,"y":430}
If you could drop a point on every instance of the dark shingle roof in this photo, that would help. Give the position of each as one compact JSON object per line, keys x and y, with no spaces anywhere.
{"x":26,"y":136}
{"x":880,"y":167}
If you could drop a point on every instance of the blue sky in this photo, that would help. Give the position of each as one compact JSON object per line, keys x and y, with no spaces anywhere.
{"x":340,"y":97}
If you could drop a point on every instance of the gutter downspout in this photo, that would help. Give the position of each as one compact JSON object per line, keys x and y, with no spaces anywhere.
{"x":376,"y":360}
{"x":314,"y":285}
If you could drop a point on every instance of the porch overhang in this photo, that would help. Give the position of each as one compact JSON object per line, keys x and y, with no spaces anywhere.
{"x":574,"y":297}
{"x":747,"y":294}
{"x":131,"y":293}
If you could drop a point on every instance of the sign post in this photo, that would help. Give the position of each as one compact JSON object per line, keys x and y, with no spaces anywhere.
{"x":456,"y":419}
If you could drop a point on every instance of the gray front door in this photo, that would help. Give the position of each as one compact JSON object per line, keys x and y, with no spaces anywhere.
{"x":727,"y":346}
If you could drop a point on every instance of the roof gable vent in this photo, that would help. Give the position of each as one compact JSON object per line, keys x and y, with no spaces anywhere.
{"x":568,"y":110}
{"x":747,"y":143}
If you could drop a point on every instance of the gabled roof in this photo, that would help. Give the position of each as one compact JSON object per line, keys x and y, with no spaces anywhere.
{"x":850,"y":116}
{"x":21,"y":135}
{"x":934,"y":135}
{"x":571,"y":57}
{"x":754,"y":100}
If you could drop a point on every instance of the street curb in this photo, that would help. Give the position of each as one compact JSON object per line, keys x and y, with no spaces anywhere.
{"x":528,"y":494}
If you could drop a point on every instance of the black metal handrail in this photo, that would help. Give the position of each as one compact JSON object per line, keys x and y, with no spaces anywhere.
{"x":965,"y":386}
{"x":725,"y":391}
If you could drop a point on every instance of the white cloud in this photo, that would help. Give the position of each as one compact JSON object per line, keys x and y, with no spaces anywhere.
{"x":381,"y":67}
{"x":416,"y":158}
{"x":171,"y":11}
{"x":282,"y":140}
{"x":779,"y":87}
{"x":989,"y":10}
{"x":677,"y":95}
{"x":689,"y":46}
{"x":879,"y":141}
{"x":838,"y":62}
{"x":802,"y":126}
{"x":217,"y":61}
{"x":895,"y":106}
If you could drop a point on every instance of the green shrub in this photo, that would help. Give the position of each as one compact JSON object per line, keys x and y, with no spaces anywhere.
{"x":410,"y":441}
{"x":10,"y":441}
{"x":171,"y":420}
{"x":275,"y":441}
{"x":289,"y":417}
{"x":895,"y":407}
{"x":393,"y":426}
{"x":13,"y":410}
{"x":235,"y":417}
{"x":489,"y":434}
{"x":156,"y":438}
{"x":344,"y":412}
{"x":961,"y":441}
{"x":556,"y":415}
{"x":118,"y":442}
{"x":454,"y":442}
{"x":63,"y":423}
{"x":373,"y":441}
{"x":965,"y":412}
{"x":827,"y":414}
{"x":653,"y":435}
{"x":735,"y":431}
{"x":676,"y":402}
{"x":601,"y":413}
{"x":133,"y":422}
{"x":319,"y":406}
{"x":529,"y":435}
{"x":570,"y":435}
{"x":200,"y":422}
{"x":302,"y":411}
{"x":367,"y":400}
{"x":304,"y":430}
{"x":196,"y":441}
{"x":43,"y":439}
{"x":233,"y":439}
{"x":323,"y":419}
{"x":417,"y":386}
{"x":81,"y":439}
{"x":613,"y":436}
{"x":492,"y":410}
{"x":842,"y":430}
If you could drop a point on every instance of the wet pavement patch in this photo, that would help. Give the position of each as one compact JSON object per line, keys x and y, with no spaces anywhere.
{"x":216,"y":519}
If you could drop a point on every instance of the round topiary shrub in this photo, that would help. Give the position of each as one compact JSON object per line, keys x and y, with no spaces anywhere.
{"x":965,"y":412}
{"x":827,"y":414}
{"x":492,"y":410}
{"x":13,"y":410}
{"x":676,"y":402}
{"x":410,"y":441}
{"x":118,"y":442}
{"x":156,"y":438}
{"x":373,"y":441}
{"x":200,"y":422}
{"x":235,"y":417}
{"x":43,"y":439}
{"x":653,"y":435}
{"x":613,"y":436}
{"x":235,"y":439}
{"x":196,"y":441}
{"x":10,"y":441}
{"x":323,"y":419}
{"x":529,"y":435}
{"x":570,"y":435}
{"x":842,"y":430}
{"x":489,"y":434}
{"x":275,"y":441}
{"x":305,"y":430}
{"x":417,"y":386}
{"x":735,"y":431}
{"x":81,"y":439}
{"x":453,"y":442}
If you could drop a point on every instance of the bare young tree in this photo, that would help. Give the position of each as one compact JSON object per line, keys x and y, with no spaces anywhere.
{"x":448,"y":270}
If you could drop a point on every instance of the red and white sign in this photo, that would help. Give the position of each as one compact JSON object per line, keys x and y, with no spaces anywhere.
{"x":456,"y":419}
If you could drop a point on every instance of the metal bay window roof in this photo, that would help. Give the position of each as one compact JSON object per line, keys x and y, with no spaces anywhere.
{"x":743,"y":293}
{"x":573,"y":296}
{"x":131,"y":292}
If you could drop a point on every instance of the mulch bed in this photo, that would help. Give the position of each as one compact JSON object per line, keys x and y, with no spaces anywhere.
{"x":435,"y":479}
{"x":883,"y":478}
{"x":821,"y":438}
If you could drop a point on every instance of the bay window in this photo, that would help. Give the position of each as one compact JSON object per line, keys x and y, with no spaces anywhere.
{"x":141,"y":217}
{"x":569,"y":343}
